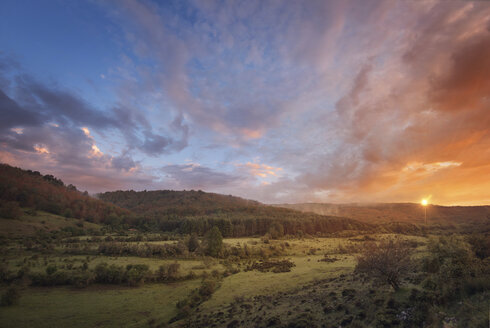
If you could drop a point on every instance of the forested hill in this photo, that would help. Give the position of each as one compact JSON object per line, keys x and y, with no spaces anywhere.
{"x":31,"y":189}
{"x":399,"y":212}
{"x":197,"y":211}
{"x":181,"y":212}
{"x":181,"y":203}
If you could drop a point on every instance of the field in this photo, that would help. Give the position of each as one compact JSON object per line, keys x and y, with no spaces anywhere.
{"x":155,"y":303}
{"x":66,"y":272}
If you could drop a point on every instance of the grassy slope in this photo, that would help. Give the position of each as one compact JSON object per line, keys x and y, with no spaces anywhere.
{"x":28,"y":224}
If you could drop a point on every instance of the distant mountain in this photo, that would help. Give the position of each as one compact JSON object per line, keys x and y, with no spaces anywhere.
{"x":399,"y":212}
{"x":30,"y":189}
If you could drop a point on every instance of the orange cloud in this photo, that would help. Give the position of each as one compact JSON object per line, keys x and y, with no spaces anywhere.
{"x":260,"y":170}
{"x":41,"y":149}
{"x":252,"y":134}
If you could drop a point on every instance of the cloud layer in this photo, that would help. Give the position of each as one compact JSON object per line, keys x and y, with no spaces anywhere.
{"x":334,"y":101}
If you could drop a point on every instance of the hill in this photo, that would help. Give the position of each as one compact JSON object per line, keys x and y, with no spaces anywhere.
{"x":177,"y":203}
{"x":30,"y":189}
{"x":197,"y":211}
{"x":401,"y":212}
{"x":32,"y":223}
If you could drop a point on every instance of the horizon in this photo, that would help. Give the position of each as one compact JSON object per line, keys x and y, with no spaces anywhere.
{"x":283,"y":103}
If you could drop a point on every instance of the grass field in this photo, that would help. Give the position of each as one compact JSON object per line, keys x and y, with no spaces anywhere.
{"x":312,"y":291}
{"x":95,"y":306}
{"x":30,"y":224}
{"x":108,"y":306}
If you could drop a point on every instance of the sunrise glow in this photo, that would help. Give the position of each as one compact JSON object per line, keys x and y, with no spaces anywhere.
{"x":244,"y":163}
{"x":295,"y":101}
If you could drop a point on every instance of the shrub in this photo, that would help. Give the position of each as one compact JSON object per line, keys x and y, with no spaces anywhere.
{"x":385,"y":261}
{"x":168,"y":272}
{"x":193,"y":243}
{"x":51,"y":269}
{"x":109,"y":274}
{"x":136,"y":274}
{"x":207,"y":288}
{"x":10,"y":297}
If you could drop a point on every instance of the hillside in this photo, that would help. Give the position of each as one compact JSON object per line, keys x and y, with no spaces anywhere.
{"x":400,"y":212}
{"x":33,"y":223}
{"x":197,"y":211}
{"x":181,"y":203}
{"x":30,"y":189}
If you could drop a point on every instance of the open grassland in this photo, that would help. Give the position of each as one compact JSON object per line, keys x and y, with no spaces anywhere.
{"x":96,"y":306}
{"x":32,"y":222}
{"x":115,"y":306}
{"x":254,"y":283}
{"x":321,"y":286}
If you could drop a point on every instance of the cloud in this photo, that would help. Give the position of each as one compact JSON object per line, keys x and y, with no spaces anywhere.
{"x":195,"y":176}
{"x":47,"y":127}
{"x":349,"y":109}
{"x":260,"y":170}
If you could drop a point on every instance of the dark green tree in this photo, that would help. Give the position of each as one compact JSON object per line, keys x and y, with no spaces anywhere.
{"x":214,"y":241}
{"x":276,"y":230}
{"x":193,"y":242}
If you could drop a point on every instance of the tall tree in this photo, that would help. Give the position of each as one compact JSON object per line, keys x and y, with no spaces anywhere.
{"x":193,"y":242}
{"x":214,"y":241}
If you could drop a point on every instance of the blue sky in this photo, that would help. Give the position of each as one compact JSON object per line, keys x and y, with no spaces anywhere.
{"x":277,"y":101}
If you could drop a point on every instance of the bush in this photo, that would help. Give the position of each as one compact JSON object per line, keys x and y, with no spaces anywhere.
{"x":10,"y":297}
{"x":109,"y":274}
{"x":136,"y":274}
{"x":386,"y":261}
{"x":207,"y":288}
{"x":168,"y":272}
{"x":193,"y":243}
{"x":51,"y":269}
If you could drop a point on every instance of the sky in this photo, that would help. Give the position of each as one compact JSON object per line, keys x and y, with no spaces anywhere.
{"x":277,"y":101}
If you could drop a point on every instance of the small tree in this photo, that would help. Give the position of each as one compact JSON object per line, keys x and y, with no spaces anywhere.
{"x":385,"y":261}
{"x":276,"y":230}
{"x":193,"y":242}
{"x":214,"y":241}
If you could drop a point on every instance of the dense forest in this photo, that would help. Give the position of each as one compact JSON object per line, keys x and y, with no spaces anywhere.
{"x":30,"y":189}
{"x":197,"y":211}
{"x":183,"y":212}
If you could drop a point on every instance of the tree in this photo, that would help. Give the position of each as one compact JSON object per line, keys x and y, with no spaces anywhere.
{"x":385,"y":261}
{"x":276,"y":230}
{"x":193,"y":242}
{"x":480,"y":244}
{"x":214,"y":241}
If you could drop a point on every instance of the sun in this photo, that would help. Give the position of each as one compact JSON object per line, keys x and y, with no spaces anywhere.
{"x":424,"y":202}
